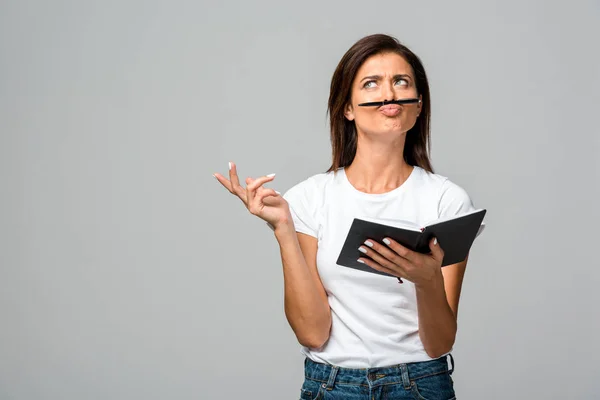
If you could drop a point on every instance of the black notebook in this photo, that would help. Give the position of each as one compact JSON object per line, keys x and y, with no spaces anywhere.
{"x":455,"y":235}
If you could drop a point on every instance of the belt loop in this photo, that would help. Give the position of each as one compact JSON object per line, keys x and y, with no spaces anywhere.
{"x":405,"y":377}
{"x":332,"y":375}
{"x":452,"y":362}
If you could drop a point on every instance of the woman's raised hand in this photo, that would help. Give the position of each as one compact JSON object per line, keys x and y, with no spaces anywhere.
{"x":266,"y":204}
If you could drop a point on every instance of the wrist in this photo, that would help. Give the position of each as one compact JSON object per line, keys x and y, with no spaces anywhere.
{"x":284,"y":229}
{"x":434,"y":283}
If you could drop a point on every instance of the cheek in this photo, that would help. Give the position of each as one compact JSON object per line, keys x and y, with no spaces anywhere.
{"x":375,"y":117}
{"x":366,"y":118}
{"x":374,"y":122}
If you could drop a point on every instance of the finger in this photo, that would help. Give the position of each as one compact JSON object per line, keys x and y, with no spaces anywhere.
{"x":436,"y":250}
{"x":264,"y":193}
{"x":271,"y":201}
{"x":397,"y":265}
{"x":223,"y":181}
{"x":264,"y":197}
{"x":256,"y":183}
{"x":261,"y":189}
{"x":398,"y":249}
{"x":389,"y":253}
{"x":241,"y":194}
{"x":260,"y":199}
{"x":235,"y":182}
{"x":380,"y":267}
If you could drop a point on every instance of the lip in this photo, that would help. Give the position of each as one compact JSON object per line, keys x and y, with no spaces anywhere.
{"x":390,"y":110}
{"x":390,"y":107}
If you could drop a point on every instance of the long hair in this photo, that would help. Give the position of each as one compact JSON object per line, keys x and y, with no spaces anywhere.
{"x":343,"y":132}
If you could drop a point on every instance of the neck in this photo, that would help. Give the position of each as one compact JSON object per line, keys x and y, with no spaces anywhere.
{"x":378,"y":166}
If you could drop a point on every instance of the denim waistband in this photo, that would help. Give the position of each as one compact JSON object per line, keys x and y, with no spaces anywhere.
{"x":328,"y":375}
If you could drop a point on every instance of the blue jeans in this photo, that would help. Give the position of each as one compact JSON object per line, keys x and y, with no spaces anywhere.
{"x":426,"y":380}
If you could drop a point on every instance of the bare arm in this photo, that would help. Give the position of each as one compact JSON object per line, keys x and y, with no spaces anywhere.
{"x":306,"y":306}
{"x":437,"y":304}
{"x":437,"y":289}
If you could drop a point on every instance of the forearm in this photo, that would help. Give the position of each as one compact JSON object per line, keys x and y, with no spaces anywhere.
{"x":306,"y":307}
{"x":437,"y":322}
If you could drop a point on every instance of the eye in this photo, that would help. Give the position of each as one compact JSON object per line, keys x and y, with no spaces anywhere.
{"x":369,"y":84}
{"x":402,"y":82}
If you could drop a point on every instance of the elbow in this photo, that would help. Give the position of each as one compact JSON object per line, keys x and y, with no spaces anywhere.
{"x":436,"y":353}
{"x":439,"y":350}
{"x":315,"y":338}
{"x":314,"y":341}
{"x":312,"y":332}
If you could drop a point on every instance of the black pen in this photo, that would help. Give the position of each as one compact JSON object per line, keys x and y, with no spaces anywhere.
{"x":385,"y":102}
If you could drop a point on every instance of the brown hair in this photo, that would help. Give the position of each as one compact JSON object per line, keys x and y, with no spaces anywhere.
{"x":343,"y":131}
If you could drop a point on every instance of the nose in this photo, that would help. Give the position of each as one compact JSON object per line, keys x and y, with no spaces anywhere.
{"x":388,"y":91}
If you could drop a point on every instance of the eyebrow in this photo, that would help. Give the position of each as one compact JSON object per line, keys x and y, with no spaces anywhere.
{"x":378,"y":77}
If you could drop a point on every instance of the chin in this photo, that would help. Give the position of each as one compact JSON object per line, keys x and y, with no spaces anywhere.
{"x":395,"y":132}
{"x":395,"y":128}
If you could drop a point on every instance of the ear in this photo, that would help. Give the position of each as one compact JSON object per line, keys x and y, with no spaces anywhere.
{"x":420,"y":105}
{"x":349,"y":112}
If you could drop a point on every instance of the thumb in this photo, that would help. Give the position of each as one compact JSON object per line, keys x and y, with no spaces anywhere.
{"x":436,"y":250}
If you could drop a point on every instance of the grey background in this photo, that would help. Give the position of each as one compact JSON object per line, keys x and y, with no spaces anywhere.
{"x":128,"y":272}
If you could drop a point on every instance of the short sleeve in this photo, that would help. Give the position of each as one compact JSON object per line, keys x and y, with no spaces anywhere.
{"x":303,"y":200}
{"x":454,"y":200}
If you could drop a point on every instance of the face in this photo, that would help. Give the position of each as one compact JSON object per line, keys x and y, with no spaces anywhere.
{"x":383,"y":77}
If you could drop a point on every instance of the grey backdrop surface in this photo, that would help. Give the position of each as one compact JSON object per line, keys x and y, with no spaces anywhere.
{"x":127,"y":272}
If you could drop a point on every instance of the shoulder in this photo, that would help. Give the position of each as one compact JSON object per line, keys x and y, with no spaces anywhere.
{"x":439,"y":183}
{"x":311,"y":187}
{"x":451,"y":198}
{"x":306,"y":199}
{"x":428,"y":179}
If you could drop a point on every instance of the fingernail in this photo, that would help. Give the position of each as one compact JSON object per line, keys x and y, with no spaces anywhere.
{"x":434,"y":241}
{"x":387,"y":241}
{"x":362,"y":249}
{"x":215,"y":176}
{"x":230,"y":165}
{"x":270,"y":175}
{"x":277,"y":192}
{"x":360,"y":261}
{"x":368,"y":243}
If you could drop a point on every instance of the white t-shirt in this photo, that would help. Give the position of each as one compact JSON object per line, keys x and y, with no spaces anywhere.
{"x":374,"y":317}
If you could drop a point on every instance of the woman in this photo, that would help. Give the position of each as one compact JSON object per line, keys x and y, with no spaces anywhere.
{"x":366,"y":335}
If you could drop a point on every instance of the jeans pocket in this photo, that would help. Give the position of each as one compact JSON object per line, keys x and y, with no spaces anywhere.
{"x":310,"y":390}
{"x":433,"y":387}
{"x":305,"y":394}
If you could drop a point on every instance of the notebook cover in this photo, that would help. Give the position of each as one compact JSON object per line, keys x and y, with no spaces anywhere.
{"x":360,"y":231}
{"x":455,"y":236}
